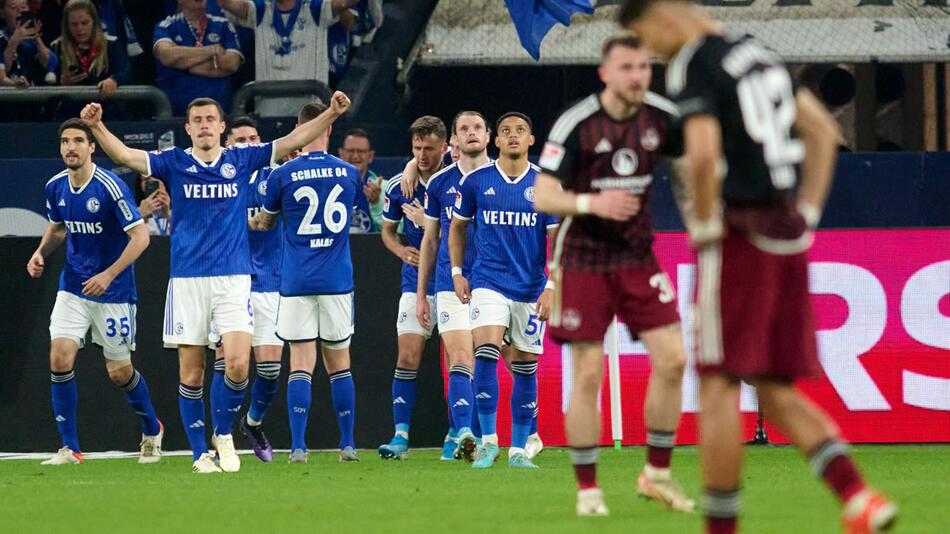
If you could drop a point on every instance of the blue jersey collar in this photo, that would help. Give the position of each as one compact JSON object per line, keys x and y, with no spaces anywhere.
{"x":508,"y":178}
{"x":92,"y":177}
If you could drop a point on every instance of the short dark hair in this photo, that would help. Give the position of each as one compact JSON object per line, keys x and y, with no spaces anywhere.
{"x":310,"y":111}
{"x":428,"y":125}
{"x":358,"y":132}
{"x":468,"y":113}
{"x":517,"y":114}
{"x":204,"y":101}
{"x":632,"y":10}
{"x":624,"y":40}
{"x":241,"y":121}
{"x":77,"y":124}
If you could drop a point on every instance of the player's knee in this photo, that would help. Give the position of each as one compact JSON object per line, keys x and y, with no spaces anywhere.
{"x":237,"y":370}
{"x":120,"y":376}
{"x":670,"y":366}
{"x":587,"y":379}
{"x":191,"y":375}
{"x":61,"y":357}
{"x":408,"y":359}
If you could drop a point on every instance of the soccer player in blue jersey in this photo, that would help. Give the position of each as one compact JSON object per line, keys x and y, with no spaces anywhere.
{"x":453,"y":315}
{"x":210,"y":256}
{"x":428,"y":135}
{"x":92,"y":210}
{"x":314,"y":196}
{"x":265,"y":282}
{"x":509,"y":293}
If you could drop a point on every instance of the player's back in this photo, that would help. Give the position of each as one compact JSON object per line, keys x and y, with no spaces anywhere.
{"x":96,"y":218}
{"x":317,"y":192}
{"x":265,"y":246}
{"x":747,"y":87}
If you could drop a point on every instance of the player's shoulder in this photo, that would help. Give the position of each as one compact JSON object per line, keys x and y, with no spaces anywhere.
{"x":106,"y":180}
{"x":263,"y":173}
{"x":57,"y":179}
{"x":444,"y":174}
{"x":172,"y":152}
{"x":574,"y":115}
{"x":487,"y":169}
{"x":661,"y":103}
{"x":392,"y":186}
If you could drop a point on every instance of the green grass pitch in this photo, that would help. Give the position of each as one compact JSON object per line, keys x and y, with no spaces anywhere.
{"x":424,"y":495}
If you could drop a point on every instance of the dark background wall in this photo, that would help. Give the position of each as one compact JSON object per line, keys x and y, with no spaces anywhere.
{"x":105,"y":420}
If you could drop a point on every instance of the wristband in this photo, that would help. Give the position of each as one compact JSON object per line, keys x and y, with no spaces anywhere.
{"x":456,"y":271}
{"x":549,"y":285}
{"x":810,"y":213}
{"x":583,"y":204}
{"x":705,"y":231}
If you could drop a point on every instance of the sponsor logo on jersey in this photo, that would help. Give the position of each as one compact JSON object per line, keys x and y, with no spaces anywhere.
{"x":228,"y":170}
{"x":551,"y":156}
{"x":62,"y":203}
{"x":126,"y":211}
{"x":178,"y":38}
{"x":510,"y":218}
{"x":192,"y":169}
{"x":603,"y":146}
{"x":211,"y":190}
{"x":399,"y":400}
{"x":636,"y":184}
{"x":489,"y":191}
{"x":625,"y":162}
{"x":92,"y":205}
{"x":451,"y":191}
{"x":83,"y":227}
{"x":529,"y":194}
{"x":650,"y":140}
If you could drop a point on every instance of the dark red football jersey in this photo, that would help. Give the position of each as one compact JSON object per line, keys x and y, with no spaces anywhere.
{"x":589,"y":152}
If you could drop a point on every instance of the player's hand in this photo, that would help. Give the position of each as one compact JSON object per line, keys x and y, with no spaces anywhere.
{"x":410,"y":179}
{"x":415,"y":213}
{"x":462,"y":289}
{"x":372,"y":191}
{"x":107,"y":87}
{"x":91,"y":114}
{"x":410,"y":256}
{"x":36,"y":265}
{"x":422,"y":312}
{"x":97,"y":285}
{"x":615,"y":205}
{"x":543,"y":307}
{"x":704,"y":235}
{"x":339,"y":102}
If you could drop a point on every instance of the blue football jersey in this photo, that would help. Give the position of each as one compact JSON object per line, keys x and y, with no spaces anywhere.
{"x":392,"y":212}
{"x":511,"y":237}
{"x":439,"y":203}
{"x":97,"y":217}
{"x":314,"y":194}
{"x":209,"y":221}
{"x":265,"y":246}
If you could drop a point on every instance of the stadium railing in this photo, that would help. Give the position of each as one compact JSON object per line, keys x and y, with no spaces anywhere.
{"x":247,"y":92}
{"x":137,"y":93}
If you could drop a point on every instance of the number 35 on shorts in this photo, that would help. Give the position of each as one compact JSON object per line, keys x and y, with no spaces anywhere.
{"x":661,"y":282}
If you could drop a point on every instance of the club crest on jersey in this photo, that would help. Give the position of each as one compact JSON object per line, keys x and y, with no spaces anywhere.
{"x":214,"y":38}
{"x":262,"y":188}
{"x":650,"y":140}
{"x":402,"y":317}
{"x":625,"y":162}
{"x":179,"y":329}
{"x":444,"y":317}
{"x":529,"y":194}
{"x":475,"y":313}
{"x":228,"y":170}
{"x":92,"y":205}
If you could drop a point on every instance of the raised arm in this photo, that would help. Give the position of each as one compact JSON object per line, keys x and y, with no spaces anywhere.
{"x":340,"y":5}
{"x":52,"y":238}
{"x":304,"y":134}
{"x":135,"y":159}
{"x":138,"y":242}
{"x":821,"y":136}
{"x":238,"y":8}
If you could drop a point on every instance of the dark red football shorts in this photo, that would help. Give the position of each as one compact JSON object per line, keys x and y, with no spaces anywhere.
{"x":753,"y":311}
{"x":641,"y":297}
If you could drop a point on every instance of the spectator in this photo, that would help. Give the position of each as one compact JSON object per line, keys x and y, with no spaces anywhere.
{"x":26,"y":59}
{"x":339,"y":44}
{"x":195,"y":56}
{"x":112,"y":16}
{"x":154,"y":205}
{"x":368,"y":212}
{"x":86,"y":57}
{"x":290,"y":42}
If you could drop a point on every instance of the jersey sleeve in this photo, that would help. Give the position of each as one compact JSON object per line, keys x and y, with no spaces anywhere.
{"x":694,"y":87}
{"x":52,"y":210}
{"x":673,"y":145}
{"x":126,"y":212}
{"x":271,"y":201}
{"x":164,"y":31}
{"x":465,"y":200}
{"x":161,"y":163}
{"x":559,"y":158}
{"x":257,"y":155}
{"x":392,"y":209}
{"x":255,"y":13}
{"x":229,"y":40}
{"x":551,"y":221}
{"x":431,"y":204}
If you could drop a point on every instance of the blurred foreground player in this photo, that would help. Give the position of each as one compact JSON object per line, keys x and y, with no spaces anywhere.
{"x":604,"y":151}
{"x":92,"y":210}
{"x":757,"y":194}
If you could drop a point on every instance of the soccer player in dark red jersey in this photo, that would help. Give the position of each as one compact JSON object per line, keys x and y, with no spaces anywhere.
{"x":598,"y":167}
{"x":757,"y":192}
